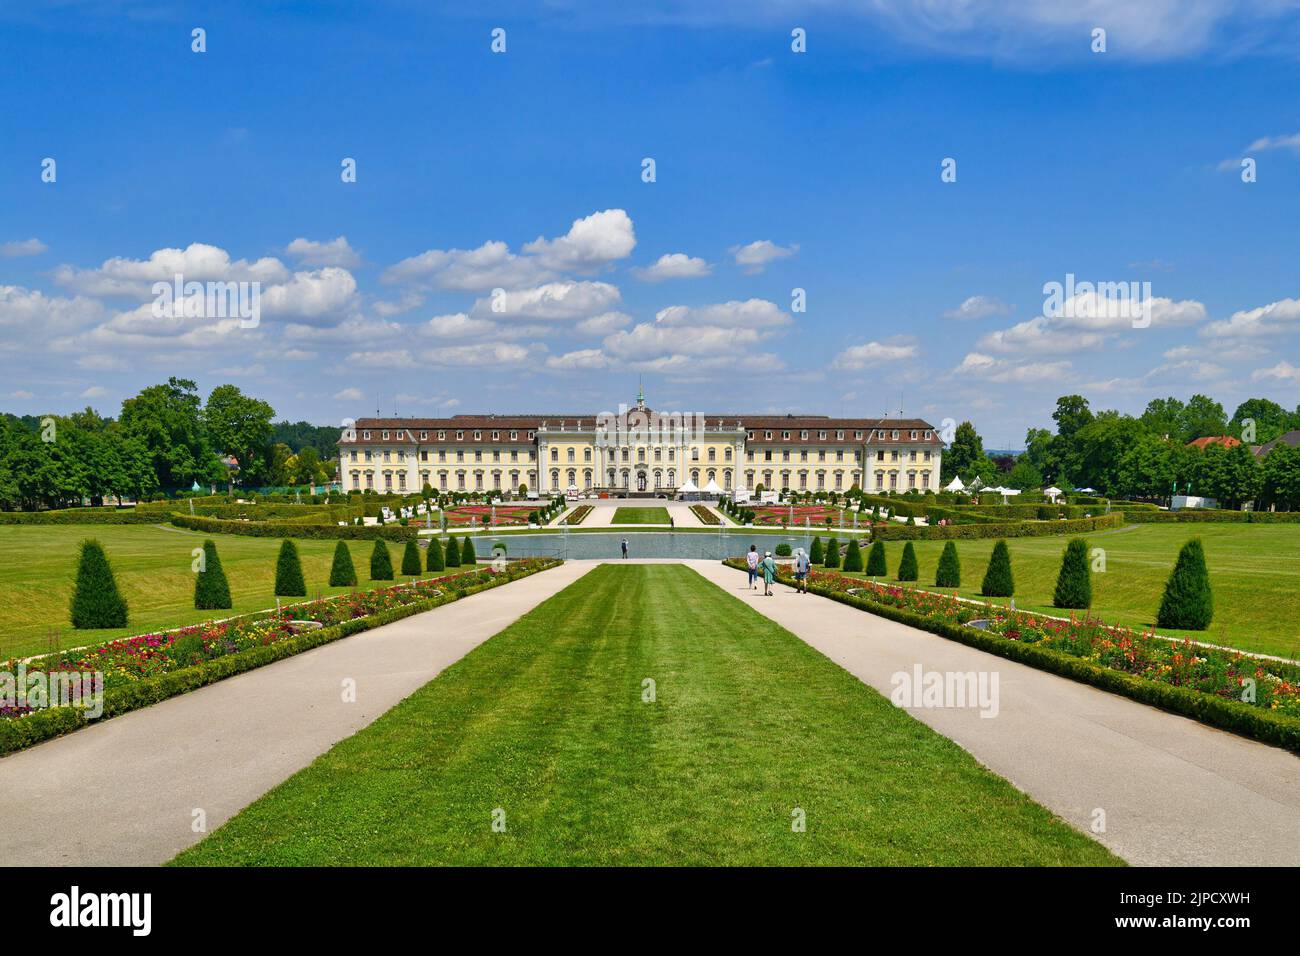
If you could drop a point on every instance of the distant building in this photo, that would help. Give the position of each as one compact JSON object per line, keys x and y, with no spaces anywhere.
{"x":1291,"y":438}
{"x":1227,"y":441}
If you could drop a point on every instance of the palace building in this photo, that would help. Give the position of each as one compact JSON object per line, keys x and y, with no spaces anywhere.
{"x":639,"y":451}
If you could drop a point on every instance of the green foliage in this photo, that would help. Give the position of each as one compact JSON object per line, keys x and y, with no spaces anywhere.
{"x":907,"y":569}
{"x":289,"y":581}
{"x":452,"y":556}
{"x":467,"y":554}
{"x":411,"y":559}
{"x":948,"y":574}
{"x":876,"y":566}
{"x":853,"y":556}
{"x":998,"y":580}
{"x":1188,"y":603}
{"x":832,"y":554}
{"x":381,"y":563}
{"x":96,"y":602}
{"x":211,"y":589}
{"x":342,"y":572}
{"x":1074,"y":583}
{"x":783,"y":549}
{"x":434,"y":557}
{"x":816,"y":552}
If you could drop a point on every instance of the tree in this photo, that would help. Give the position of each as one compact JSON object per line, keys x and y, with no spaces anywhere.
{"x":948,"y":574}
{"x":1270,"y":420}
{"x":381,"y":562}
{"x":853,"y":556}
{"x":307,"y":469}
{"x":816,"y":553}
{"x":467,"y":555}
{"x":434,"y":557}
{"x":289,"y":581}
{"x":411,"y":564}
{"x":998,"y":580}
{"x":168,"y":421}
{"x":965,"y":456}
{"x":1280,"y":478}
{"x":1203,"y":416}
{"x":452,"y":557}
{"x":1023,"y":475}
{"x":1188,"y":604}
{"x":832,"y":559}
{"x":241,"y":426}
{"x":342,"y":572}
{"x":1166,"y":418}
{"x":96,"y":602}
{"x":1074,"y":583}
{"x":211,"y":589}
{"x":907,"y":569}
{"x":876,"y":566}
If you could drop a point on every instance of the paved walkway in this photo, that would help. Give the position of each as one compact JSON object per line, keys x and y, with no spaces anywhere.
{"x":123,"y":792}
{"x":1175,"y":792}
{"x":602,"y":513}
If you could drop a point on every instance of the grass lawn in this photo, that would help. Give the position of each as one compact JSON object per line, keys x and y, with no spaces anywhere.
{"x":640,"y":516}
{"x":1254,"y":571}
{"x":38,"y":564}
{"x":546,"y":721}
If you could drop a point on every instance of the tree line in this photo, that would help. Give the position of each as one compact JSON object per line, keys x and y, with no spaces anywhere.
{"x":1145,"y":457}
{"x":165,"y":439}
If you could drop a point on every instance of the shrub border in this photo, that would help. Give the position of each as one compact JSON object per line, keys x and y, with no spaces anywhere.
{"x":1229,"y":715}
{"x":22,"y":732}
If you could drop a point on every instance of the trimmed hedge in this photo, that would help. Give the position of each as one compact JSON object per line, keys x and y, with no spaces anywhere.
{"x":81,"y":516}
{"x":268,"y":529}
{"x":1187,"y":604}
{"x":948,"y":574}
{"x":289,"y":581}
{"x":342,"y":572}
{"x":853,"y":556}
{"x":876,"y":566}
{"x":1074,"y":582}
{"x":907,"y":569}
{"x":998,"y":580}
{"x":96,"y":602}
{"x":211,"y":589}
{"x":411,"y":563}
{"x":381,"y":563}
{"x":467,"y":552}
{"x":1194,"y":515}
{"x":434,"y":555}
{"x":451,"y":557}
{"x":1016,"y":529}
{"x":1231,"y":715}
{"x":20,"y":732}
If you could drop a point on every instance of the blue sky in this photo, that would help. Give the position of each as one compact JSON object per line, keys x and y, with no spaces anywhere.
{"x":523,"y":171}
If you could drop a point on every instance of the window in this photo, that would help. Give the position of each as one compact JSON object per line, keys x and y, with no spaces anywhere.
{"x":460,"y":435}
{"x":857,"y":435}
{"x":530,"y":436}
{"x":785,"y":436}
{"x":804,"y":434}
{"x":895,"y":435}
{"x":913,"y":435}
{"x":821,"y":435}
{"x":424,"y":455}
{"x":767,"y":435}
{"x":423,"y":435}
{"x":366,"y":435}
{"x":928,"y":434}
{"x":385,"y":435}
{"x":354,"y":454}
{"x":477,"y":435}
{"x":726,"y":454}
{"x":442,"y":436}
{"x":713,"y":454}
{"x":572,"y":456}
{"x":586,"y":454}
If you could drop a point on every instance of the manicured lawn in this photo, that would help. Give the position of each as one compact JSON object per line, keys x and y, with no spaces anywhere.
{"x":1254,"y":571}
{"x":640,"y":516}
{"x":546,"y":722}
{"x":152,"y":566}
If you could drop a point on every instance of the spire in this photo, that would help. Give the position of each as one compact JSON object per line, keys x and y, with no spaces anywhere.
{"x":640,"y":393}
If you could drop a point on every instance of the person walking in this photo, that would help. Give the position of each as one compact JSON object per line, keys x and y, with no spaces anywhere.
{"x":625,"y":547}
{"x":801,"y":567}
{"x":769,"y":573}
{"x":751,"y":559}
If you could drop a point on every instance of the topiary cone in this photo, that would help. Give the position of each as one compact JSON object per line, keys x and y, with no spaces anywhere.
{"x":998,"y":580}
{"x":342,"y":572}
{"x":876,"y":566}
{"x":95,"y":598}
{"x":907,"y":570}
{"x":816,"y":553}
{"x":1188,"y":603}
{"x":467,"y":554}
{"x":832,"y":553}
{"x":381,"y":562}
{"x":1074,"y":583}
{"x":452,"y":557}
{"x":411,"y":564}
{"x":434,"y":557}
{"x":948,"y":574}
{"x":211,"y":589}
{"x":288,"y":572}
{"x":853,"y":556}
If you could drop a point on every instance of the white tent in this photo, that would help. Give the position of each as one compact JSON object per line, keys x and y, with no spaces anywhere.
{"x":955,"y":485}
{"x":688,"y":488}
{"x":712,"y":488}
{"x":1052,"y":492}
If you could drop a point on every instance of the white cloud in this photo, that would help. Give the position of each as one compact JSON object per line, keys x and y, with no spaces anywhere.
{"x":197,"y":262}
{"x":348,"y":395}
{"x":978,"y":307}
{"x":42,"y":316}
{"x":25,"y":247}
{"x":552,"y":302}
{"x":674,"y":265}
{"x":1281,"y":372}
{"x":756,"y":256}
{"x":1040,"y":337}
{"x":1272,"y":319}
{"x":590,"y":243}
{"x":581,"y":360}
{"x":94,"y":391}
{"x":335,"y":252}
{"x":314,"y":298}
{"x":457,"y":326}
{"x":490,"y":266}
{"x":750,"y":314}
{"x":604,"y":323}
{"x":1008,"y":371}
{"x":869,"y":355}
{"x":351,"y":329}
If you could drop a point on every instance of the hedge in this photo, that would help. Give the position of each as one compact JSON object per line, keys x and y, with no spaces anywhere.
{"x":1231,"y":715}
{"x":80,"y":516}
{"x":1211,"y":514}
{"x":1015,"y":529}
{"x":267,"y":529}
{"x":16,"y":733}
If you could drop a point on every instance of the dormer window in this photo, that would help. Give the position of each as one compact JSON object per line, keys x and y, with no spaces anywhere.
{"x":895,"y":434}
{"x":423,"y":435}
{"x":460,"y":435}
{"x":785,"y":436}
{"x":857,"y":435}
{"x":928,"y":434}
{"x":385,"y":435}
{"x":366,"y":435}
{"x":442,"y":436}
{"x":821,"y":436}
{"x":804,"y":435}
{"x":530,"y":436}
{"x":767,"y":435}
{"x":496,"y":436}
{"x":913,"y":434}
{"x":839,"y":436}
{"x":514,"y":436}
{"x":477,"y":435}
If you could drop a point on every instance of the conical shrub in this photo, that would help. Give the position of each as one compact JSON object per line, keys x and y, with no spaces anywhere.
{"x":1074,"y":583}
{"x":1188,"y":603}
{"x":816,"y":553}
{"x":876,"y":566}
{"x":998,"y":580}
{"x":434,"y":557}
{"x":211,"y":589}
{"x":452,"y":557}
{"x":853,"y":556}
{"x":342,"y":572}
{"x":832,"y":553}
{"x":948,"y":574}
{"x":467,"y":555}
{"x":907,"y":570}
{"x":411,"y":564}
{"x":288,"y":572}
{"x":95,"y":598}
{"x":381,"y":562}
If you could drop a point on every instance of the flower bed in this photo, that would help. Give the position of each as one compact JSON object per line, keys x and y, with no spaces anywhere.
{"x":578,"y":515}
{"x":150,"y":667}
{"x":1207,"y":684}
{"x":780,"y":515}
{"x":706,"y":515}
{"x":471,"y":516}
